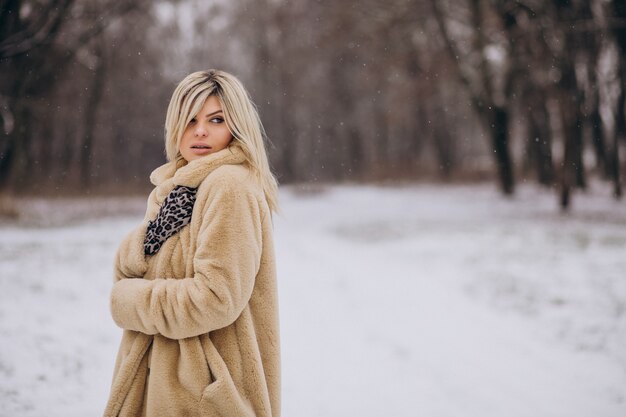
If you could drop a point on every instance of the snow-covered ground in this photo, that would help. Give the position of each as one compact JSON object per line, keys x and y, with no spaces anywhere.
{"x":395,"y":301}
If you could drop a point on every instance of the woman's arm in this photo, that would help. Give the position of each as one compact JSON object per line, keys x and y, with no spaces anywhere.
{"x":130,"y":261}
{"x":226,"y":262}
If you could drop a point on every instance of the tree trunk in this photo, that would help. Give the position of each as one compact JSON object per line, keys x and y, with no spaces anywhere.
{"x":13,"y":147}
{"x":597,"y":137}
{"x":579,"y":166}
{"x":618,"y":134}
{"x":86,"y":149}
{"x":540,"y":146}
{"x":7,"y":153}
{"x":594,"y":120}
{"x":499,"y":133}
{"x":539,"y":142}
{"x":571,"y":117}
{"x":441,"y":137}
{"x":18,"y":176}
{"x":494,"y":116}
{"x":619,"y":32}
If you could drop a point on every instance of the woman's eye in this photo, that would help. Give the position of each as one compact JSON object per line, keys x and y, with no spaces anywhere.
{"x":192,"y":121}
{"x":217,"y":120}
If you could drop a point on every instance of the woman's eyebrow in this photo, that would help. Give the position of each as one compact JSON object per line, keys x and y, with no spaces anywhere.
{"x":215,"y":112}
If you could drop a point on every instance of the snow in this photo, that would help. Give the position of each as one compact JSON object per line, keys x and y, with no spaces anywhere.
{"x":413,"y":300}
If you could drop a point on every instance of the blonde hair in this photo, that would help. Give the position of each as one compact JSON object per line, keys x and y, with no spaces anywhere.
{"x":241,"y":118}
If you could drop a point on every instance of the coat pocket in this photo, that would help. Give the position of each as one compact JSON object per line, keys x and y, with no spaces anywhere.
{"x":221,"y":398}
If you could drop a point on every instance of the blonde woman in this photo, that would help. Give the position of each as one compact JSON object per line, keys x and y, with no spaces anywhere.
{"x":195,"y":282}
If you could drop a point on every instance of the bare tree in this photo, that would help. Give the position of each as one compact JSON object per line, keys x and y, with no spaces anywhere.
{"x":346,"y":91}
{"x":490,"y":90}
{"x":36,"y":48}
{"x":619,"y":32}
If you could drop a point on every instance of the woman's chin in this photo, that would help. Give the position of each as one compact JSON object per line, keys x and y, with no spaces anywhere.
{"x":198,"y":152}
{"x":190,"y":155}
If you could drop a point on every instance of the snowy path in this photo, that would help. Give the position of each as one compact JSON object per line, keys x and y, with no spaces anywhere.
{"x":404,"y":301}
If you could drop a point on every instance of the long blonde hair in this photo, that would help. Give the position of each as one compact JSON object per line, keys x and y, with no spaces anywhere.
{"x":241,"y":117}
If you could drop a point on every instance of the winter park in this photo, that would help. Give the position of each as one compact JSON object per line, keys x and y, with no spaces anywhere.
{"x":313,"y":209}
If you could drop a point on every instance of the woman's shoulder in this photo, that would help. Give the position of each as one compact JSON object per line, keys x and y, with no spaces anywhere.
{"x":233,"y":177}
{"x":231,"y":174}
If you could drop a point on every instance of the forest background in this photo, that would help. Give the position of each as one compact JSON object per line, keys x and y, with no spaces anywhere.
{"x":450,"y":90}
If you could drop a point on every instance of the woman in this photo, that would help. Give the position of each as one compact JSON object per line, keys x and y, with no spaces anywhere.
{"x":195,"y":282}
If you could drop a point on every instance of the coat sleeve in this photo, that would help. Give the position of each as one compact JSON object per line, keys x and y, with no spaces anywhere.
{"x":226,"y":262}
{"x":130,"y":261}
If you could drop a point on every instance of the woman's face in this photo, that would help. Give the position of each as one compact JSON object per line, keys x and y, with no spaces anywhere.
{"x":206,"y":133}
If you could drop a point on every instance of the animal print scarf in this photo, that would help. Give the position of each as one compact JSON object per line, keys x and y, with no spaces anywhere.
{"x":173,"y":215}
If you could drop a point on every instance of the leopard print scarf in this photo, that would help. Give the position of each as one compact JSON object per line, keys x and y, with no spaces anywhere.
{"x":174,"y":214}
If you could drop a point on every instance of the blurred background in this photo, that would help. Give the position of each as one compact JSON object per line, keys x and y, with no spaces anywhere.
{"x":506,"y":91}
{"x":452,"y":238}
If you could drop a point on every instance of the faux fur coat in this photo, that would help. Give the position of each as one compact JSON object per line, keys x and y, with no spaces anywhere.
{"x":200,"y":317}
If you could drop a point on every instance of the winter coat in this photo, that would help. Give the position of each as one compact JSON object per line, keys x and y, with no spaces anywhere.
{"x":201,"y":330}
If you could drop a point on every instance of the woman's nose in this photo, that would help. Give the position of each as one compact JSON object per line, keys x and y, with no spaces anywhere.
{"x":201,"y":130}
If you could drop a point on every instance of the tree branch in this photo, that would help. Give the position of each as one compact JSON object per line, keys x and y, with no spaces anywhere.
{"x":43,"y":31}
{"x":476,"y":97}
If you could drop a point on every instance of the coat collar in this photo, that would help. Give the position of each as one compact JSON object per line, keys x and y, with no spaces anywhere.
{"x":191,"y":174}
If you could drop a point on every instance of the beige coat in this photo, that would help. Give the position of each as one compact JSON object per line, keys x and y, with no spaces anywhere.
{"x":201,"y":331}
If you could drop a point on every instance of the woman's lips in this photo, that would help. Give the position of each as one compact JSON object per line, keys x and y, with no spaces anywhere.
{"x":200,"y":149}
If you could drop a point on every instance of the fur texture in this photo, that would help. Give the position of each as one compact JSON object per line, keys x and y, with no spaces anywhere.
{"x":200,"y":317}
